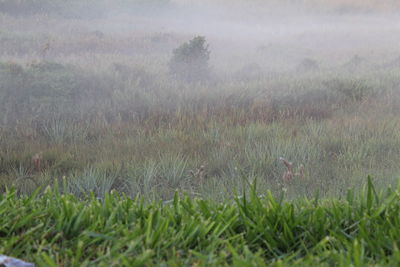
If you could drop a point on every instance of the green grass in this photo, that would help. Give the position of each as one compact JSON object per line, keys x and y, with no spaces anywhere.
{"x":53,"y":229}
{"x":127,"y":129}
{"x":140,"y":169}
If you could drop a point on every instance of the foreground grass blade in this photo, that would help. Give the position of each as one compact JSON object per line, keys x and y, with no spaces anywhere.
{"x":53,"y":229}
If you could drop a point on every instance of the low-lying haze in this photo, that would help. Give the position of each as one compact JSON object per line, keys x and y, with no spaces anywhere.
{"x":272,"y":35}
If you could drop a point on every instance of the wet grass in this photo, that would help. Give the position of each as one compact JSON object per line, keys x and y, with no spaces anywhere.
{"x":54,"y":229}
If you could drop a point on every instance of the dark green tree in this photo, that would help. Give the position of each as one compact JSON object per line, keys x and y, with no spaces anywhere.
{"x":189,"y":61}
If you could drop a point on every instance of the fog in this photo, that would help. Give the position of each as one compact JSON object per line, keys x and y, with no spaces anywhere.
{"x":275,"y":36}
{"x":282,"y":38}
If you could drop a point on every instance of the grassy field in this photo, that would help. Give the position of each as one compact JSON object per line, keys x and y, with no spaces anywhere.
{"x":143,"y":136}
{"x":107,"y":158}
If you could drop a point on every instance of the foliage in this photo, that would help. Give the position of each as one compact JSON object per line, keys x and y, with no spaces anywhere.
{"x":190,"y":60}
{"x":40,"y":89}
{"x":55,"y":229}
{"x":308,"y":64}
{"x":351,"y":89}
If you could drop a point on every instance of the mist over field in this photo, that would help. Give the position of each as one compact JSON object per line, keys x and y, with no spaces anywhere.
{"x":194,"y":96}
{"x":275,"y":35}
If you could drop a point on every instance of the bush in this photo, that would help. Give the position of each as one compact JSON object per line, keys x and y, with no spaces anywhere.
{"x":42,"y":90}
{"x":307,"y":65}
{"x":351,"y":89}
{"x":190,"y":61}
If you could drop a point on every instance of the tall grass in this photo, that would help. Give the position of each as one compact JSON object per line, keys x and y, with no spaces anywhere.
{"x":102,"y":111}
{"x":155,"y":148}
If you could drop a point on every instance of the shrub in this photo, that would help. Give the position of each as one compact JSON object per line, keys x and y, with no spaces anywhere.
{"x":351,"y":89}
{"x":190,"y":61}
{"x":356,"y":63}
{"x":42,"y":91}
{"x":248,"y":72}
{"x":307,"y":65}
{"x":39,"y":90}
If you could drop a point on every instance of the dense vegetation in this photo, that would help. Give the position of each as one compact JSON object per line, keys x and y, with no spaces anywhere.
{"x":60,"y":230}
{"x":126,"y":129}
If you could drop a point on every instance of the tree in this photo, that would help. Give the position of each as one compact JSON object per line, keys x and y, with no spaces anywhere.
{"x":190,"y":61}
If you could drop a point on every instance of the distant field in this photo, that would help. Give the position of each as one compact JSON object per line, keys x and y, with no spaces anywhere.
{"x":103,"y":131}
{"x":99,"y":110}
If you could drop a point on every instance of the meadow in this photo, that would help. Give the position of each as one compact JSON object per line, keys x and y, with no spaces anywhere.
{"x":271,"y":152}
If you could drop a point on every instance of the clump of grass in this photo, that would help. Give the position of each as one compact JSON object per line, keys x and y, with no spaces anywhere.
{"x":92,"y":180}
{"x":64,"y":131}
{"x":353,"y":90}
